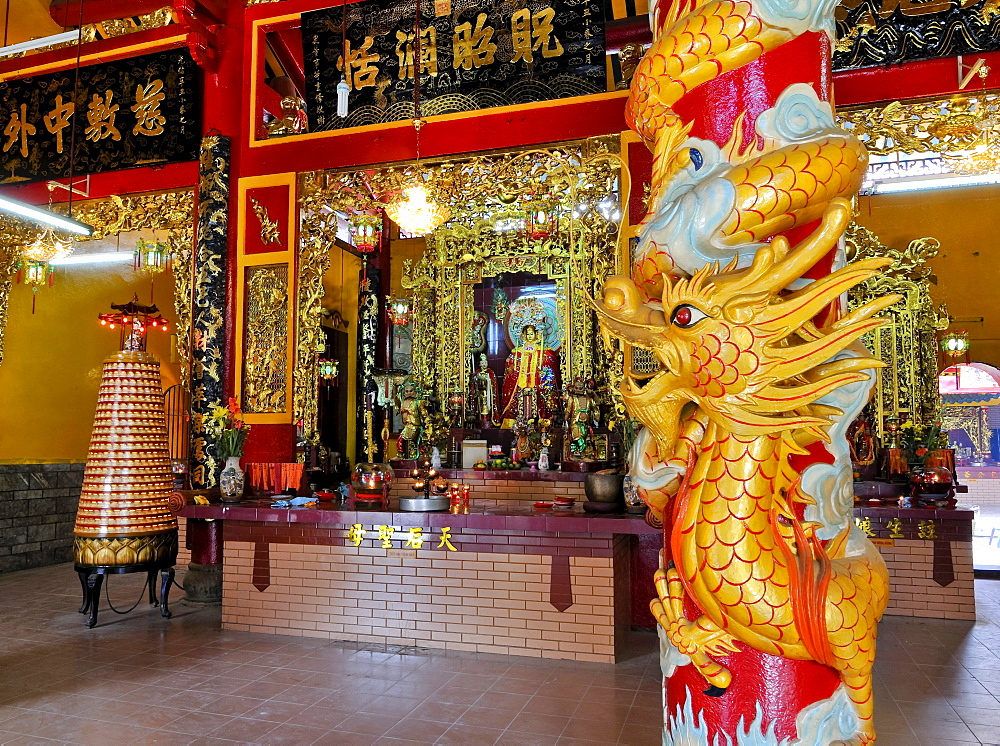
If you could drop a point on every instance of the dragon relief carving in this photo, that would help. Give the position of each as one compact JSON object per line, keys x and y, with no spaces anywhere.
{"x":754,"y":367}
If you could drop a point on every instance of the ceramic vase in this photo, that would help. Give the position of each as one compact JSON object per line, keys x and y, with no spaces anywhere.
{"x":231,"y":480}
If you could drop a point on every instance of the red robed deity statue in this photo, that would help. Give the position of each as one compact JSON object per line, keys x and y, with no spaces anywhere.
{"x":530,"y":381}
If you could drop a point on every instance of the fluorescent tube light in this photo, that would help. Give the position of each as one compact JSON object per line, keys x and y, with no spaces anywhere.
{"x":47,"y":217}
{"x":116,"y":256}
{"x":888,"y":187}
{"x":44,"y":41}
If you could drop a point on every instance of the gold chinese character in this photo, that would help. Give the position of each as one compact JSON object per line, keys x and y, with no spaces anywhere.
{"x":473,"y":47}
{"x":927,"y":530}
{"x":428,"y":52}
{"x":416,"y":538}
{"x":355,"y":534}
{"x":58,"y":119}
{"x":19,"y":128}
{"x":101,"y":115}
{"x":361,"y":70}
{"x":895,"y":527}
{"x":446,"y":539}
{"x":865,"y":524}
{"x":532,"y":32}
{"x":385,"y":536}
{"x":148,"y":119}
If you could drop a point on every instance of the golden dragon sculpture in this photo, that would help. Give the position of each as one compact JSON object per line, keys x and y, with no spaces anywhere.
{"x":753,"y":365}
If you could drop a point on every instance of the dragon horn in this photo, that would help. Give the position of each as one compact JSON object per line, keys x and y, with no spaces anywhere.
{"x":798,"y":260}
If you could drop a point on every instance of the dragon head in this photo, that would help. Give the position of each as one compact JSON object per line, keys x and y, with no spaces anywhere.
{"x":734,"y":345}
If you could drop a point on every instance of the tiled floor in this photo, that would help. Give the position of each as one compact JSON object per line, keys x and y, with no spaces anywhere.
{"x":140,"y":679}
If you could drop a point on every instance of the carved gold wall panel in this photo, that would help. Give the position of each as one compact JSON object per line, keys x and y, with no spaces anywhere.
{"x":933,"y":125}
{"x":266,"y":297}
{"x":265,"y":374}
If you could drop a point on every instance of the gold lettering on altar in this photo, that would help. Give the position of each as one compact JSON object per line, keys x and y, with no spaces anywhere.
{"x":385,"y":536}
{"x":356,"y":534}
{"x":415,"y":540}
{"x":58,"y":119}
{"x":18,"y":128}
{"x":148,"y":119}
{"x":895,"y":527}
{"x":446,"y":540}
{"x":865,"y":524}
{"x":428,"y":52}
{"x":927,"y":530}
{"x":361,"y":69}
{"x":473,"y":47}
{"x":101,"y":114}
{"x":532,"y":32}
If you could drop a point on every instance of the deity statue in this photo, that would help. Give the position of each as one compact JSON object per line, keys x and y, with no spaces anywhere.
{"x":484,"y":394}
{"x":582,"y":415}
{"x":293,"y":119}
{"x":409,"y":395}
{"x":530,"y":380}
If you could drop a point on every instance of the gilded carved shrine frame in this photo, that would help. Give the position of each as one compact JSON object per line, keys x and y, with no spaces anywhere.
{"x":578,"y":182}
{"x":908,"y":385}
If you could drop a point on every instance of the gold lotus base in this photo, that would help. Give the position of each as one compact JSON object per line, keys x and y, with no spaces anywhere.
{"x":122,"y":551}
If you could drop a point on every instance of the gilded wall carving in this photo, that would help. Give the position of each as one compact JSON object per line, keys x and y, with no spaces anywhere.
{"x":265,"y":376}
{"x":208,"y":303}
{"x":317,"y":237}
{"x":908,"y":343}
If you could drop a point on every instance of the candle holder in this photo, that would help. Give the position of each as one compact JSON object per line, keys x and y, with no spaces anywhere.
{"x":370,"y":485}
{"x":426,"y":480}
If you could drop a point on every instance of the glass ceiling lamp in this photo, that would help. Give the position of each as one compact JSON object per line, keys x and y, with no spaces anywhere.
{"x":984,"y":156}
{"x":414,"y":209}
{"x":48,"y":246}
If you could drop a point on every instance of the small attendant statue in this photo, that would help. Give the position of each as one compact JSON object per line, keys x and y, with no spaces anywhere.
{"x":484,"y":389}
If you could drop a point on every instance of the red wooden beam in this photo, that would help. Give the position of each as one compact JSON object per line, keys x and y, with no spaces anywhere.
{"x":487,"y":130}
{"x":168,"y":177}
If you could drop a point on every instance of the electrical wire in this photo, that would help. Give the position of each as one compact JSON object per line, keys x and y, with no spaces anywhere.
{"x":142,"y":592}
{"x":76,"y":94}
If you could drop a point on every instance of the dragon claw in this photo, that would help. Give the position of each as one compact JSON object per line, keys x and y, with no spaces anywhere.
{"x":715,"y":691}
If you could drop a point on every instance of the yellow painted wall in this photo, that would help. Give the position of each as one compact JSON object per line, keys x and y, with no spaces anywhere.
{"x":53,"y":358}
{"x":967,"y":223}
{"x":340,"y":287}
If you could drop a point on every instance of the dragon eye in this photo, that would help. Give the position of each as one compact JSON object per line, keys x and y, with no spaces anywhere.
{"x":686,"y":316}
{"x":696,"y":158}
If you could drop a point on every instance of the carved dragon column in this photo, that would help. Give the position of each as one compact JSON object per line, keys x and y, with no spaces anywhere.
{"x":209,"y":302}
{"x":767,"y":596}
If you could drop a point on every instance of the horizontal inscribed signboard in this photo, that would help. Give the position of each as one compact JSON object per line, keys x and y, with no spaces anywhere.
{"x":473,"y":55}
{"x":133,"y":112}
{"x":890,"y":32}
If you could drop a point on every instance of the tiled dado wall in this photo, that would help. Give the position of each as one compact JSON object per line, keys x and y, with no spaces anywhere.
{"x":927,"y":577}
{"x":983,"y":483}
{"x":534,"y":594}
{"x":37,"y":510}
{"x":500,"y":489}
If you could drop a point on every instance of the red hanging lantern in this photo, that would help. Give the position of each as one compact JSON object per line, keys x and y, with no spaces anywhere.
{"x":366,"y":231}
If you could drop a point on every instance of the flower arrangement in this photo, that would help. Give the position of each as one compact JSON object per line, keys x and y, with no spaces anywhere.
{"x":918,"y":441}
{"x":226,"y":425}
